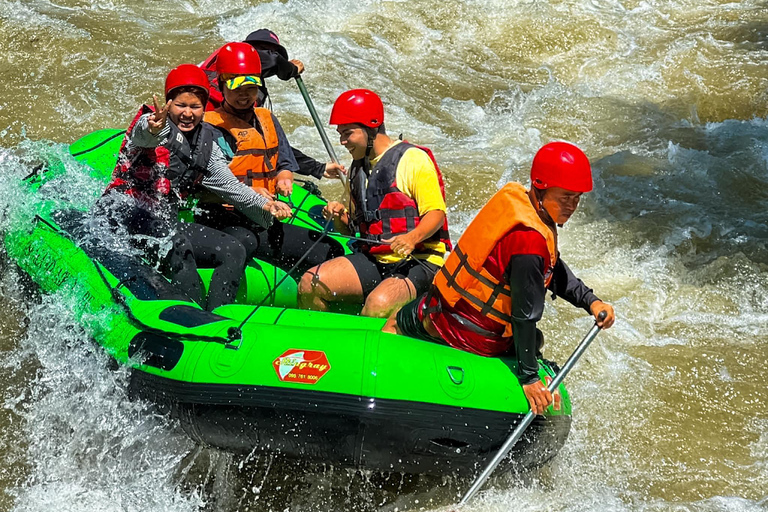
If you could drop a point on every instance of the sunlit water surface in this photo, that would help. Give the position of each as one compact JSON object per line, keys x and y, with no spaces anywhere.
{"x":668,"y":100}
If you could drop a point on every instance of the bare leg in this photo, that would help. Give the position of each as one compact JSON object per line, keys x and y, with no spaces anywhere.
{"x":391,"y":326}
{"x":392,"y":294}
{"x":330,"y":282}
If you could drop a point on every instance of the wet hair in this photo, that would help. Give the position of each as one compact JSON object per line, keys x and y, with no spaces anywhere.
{"x":197,"y":91}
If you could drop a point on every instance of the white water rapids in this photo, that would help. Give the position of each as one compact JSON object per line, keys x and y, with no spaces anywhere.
{"x":667,"y":98}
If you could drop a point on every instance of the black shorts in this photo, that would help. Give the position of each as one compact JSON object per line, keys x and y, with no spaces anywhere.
{"x":410,"y":320}
{"x":372,"y":272}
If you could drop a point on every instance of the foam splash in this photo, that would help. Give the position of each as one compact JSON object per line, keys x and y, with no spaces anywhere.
{"x":666,"y":98}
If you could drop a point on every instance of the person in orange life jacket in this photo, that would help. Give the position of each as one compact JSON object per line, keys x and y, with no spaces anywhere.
{"x":260,"y":158}
{"x":167,"y":154}
{"x":398,"y":205}
{"x":490,"y":293}
{"x":274,"y":62}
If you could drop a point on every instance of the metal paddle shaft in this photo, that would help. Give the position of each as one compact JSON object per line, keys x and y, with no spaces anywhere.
{"x":518,"y":433}
{"x":319,"y":126}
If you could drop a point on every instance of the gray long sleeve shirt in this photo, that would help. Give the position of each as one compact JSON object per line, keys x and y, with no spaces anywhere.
{"x":219,"y":179}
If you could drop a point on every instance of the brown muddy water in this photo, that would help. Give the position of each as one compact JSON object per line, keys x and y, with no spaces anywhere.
{"x":667,"y":98}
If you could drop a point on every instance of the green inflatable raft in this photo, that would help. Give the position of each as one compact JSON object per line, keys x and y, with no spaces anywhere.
{"x":262,"y":375}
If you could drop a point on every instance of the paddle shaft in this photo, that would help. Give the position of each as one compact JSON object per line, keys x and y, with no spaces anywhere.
{"x":319,"y":126}
{"x":518,"y":433}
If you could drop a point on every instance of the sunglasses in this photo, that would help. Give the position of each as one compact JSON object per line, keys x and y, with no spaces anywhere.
{"x":239,"y":81}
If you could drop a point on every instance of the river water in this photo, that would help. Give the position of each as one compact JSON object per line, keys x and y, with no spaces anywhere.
{"x":668,"y":99}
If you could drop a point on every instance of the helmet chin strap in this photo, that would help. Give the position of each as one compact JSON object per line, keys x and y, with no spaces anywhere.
{"x":368,"y":151}
{"x":543,"y":213}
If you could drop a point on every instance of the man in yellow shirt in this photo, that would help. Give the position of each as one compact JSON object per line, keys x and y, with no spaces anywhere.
{"x":397,"y":204}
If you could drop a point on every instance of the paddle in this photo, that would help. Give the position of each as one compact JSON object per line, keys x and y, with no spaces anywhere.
{"x":518,"y":433}
{"x":319,"y":126}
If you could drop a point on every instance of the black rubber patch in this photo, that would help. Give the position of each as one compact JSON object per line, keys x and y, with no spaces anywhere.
{"x":155,"y":350}
{"x":188,"y":316}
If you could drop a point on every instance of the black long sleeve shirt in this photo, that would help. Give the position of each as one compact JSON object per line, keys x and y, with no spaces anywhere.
{"x":274,"y":64}
{"x":526,"y":284}
{"x":308,"y":166}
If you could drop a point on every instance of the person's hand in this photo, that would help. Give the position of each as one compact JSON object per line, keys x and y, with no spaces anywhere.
{"x":299,"y":65}
{"x":598,"y":306}
{"x":402,"y":245}
{"x":334,"y":170}
{"x":539,"y":397}
{"x":264,"y":192}
{"x":284,"y":187}
{"x":279,"y":209}
{"x":156,"y":120}
{"x":334,"y":209}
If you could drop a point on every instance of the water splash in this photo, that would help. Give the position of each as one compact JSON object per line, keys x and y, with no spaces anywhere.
{"x":667,"y":98}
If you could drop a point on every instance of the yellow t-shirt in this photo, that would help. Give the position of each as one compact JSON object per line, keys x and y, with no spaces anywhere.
{"x":416,"y":177}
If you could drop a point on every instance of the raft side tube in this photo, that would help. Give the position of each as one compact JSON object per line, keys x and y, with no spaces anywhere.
{"x":344,"y":430}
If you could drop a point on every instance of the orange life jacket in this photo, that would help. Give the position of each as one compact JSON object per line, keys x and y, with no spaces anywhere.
{"x":464,"y":275}
{"x":255,"y":160}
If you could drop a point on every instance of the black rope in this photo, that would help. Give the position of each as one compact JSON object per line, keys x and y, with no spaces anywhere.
{"x":37,"y":170}
{"x":112,"y":137}
{"x":235,"y":333}
{"x":378,"y":242}
{"x":55,"y":229}
{"x":296,"y":209}
{"x":311,"y":187}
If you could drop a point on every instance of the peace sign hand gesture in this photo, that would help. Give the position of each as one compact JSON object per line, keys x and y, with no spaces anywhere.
{"x":156,"y":120}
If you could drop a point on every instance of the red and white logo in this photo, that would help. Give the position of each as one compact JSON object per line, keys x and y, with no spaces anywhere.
{"x":301,"y":366}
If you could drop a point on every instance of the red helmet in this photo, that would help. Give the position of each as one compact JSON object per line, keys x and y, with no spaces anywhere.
{"x":186,"y":75}
{"x":560,"y":164}
{"x":238,"y":59}
{"x":358,"y":106}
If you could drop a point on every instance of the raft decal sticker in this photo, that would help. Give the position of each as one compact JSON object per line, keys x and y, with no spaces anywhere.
{"x":301,"y":366}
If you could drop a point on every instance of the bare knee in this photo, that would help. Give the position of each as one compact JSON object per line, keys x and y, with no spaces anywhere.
{"x":378,"y":306}
{"x":306,"y":283}
{"x":389,"y":296}
{"x":308,"y":296}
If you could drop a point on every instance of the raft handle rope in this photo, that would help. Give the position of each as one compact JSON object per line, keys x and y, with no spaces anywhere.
{"x":54,"y":228}
{"x":296,"y":209}
{"x":37,"y":170}
{"x":379,"y":242}
{"x":236,"y":333}
{"x":518,"y":433}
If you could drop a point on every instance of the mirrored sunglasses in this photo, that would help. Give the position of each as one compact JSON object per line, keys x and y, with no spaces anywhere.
{"x":239,"y":81}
